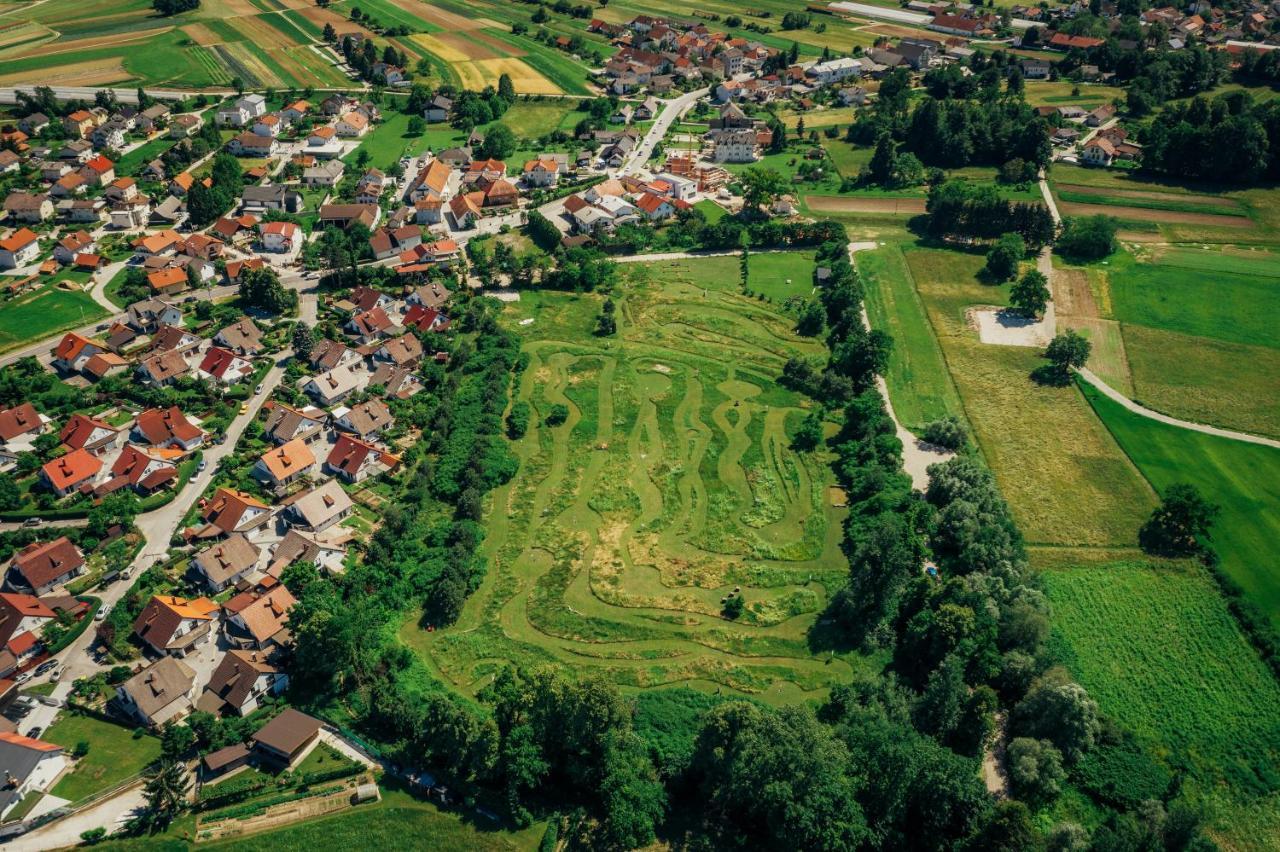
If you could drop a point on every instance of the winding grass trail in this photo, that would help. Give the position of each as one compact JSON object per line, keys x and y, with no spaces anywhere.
{"x":671,"y":485}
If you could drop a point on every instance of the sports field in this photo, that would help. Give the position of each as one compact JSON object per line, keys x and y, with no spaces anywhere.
{"x":1156,"y":647}
{"x":671,"y":484}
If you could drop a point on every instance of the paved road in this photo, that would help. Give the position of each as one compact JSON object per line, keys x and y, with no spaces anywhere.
{"x":110,"y":814}
{"x":671,"y":111}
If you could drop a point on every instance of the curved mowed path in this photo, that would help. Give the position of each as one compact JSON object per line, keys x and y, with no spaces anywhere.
{"x":671,"y":484}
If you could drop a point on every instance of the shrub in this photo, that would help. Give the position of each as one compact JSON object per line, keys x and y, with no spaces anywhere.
{"x":557,"y":414}
{"x":946,"y":432}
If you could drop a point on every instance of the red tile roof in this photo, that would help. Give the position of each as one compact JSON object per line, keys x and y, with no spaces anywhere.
{"x":76,"y":466}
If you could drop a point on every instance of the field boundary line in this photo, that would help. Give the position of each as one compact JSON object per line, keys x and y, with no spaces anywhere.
{"x":1137,"y":408}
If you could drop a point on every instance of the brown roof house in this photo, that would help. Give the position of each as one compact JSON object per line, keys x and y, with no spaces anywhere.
{"x":88,"y":433}
{"x":173,"y":625}
{"x":242,"y":337}
{"x":167,"y":428}
{"x":324,"y":551}
{"x":335,"y":385}
{"x":226,"y":562}
{"x":241,"y":679}
{"x":261,"y":624}
{"x":285,"y":423}
{"x":163,"y":368}
{"x":233,"y":511}
{"x":282,"y":466}
{"x":69,"y":473}
{"x":320,"y":508}
{"x":287,"y":738}
{"x":43,"y":566}
{"x":353,"y":460}
{"x":366,"y":420}
{"x":159,"y":693}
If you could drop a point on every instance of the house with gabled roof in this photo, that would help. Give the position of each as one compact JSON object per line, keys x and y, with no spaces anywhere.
{"x":326,"y":551}
{"x":167,"y":428}
{"x":330,"y":354}
{"x":144,"y":472}
{"x":405,"y":350}
{"x":67,"y":474}
{"x":22,"y":620}
{"x":353,"y":460}
{"x":41,"y":567}
{"x":242,"y":337}
{"x":370,"y":325}
{"x":263,"y":624}
{"x":73,"y":351}
{"x":230,"y":511}
{"x":164,"y":367}
{"x":227,"y":562}
{"x":241,"y":680}
{"x":319,"y":508}
{"x":146,"y":315}
{"x":175,"y":626}
{"x":366,"y":420}
{"x":224,"y":366}
{"x":82,"y":432}
{"x":21,"y":424}
{"x":285,"y":423}
{"x":281,"y":466}
{"x":333,"y":386}
{"x":160,"y":693}
{"x":32,"y":766}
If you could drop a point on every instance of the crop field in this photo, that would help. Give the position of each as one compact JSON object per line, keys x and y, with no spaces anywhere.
{"x":1066,"y":479}
{"x":919,"y":383}
{"x":1157,"y":648}
{"x":1243,"y":479}
{"x":671,"y":484}
{"x":1197,"y":333}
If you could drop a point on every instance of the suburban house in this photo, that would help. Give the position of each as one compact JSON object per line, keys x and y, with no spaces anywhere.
{"x":20,"y":425}
{"x":22,"y":618}
{"x":259,"y":199}
{"x":366,"y":420}
{"x":438,"y":109}
{"x":334,"y":386}
{"x":298,"y":546}
{"x":253,"y":145}
{"x":73,"y":351}
{"x":320,"y":508}
{"x":324,"y":173}
{"x":352,"y":125}
{"x":72,"y":246}
{"x":226,"y":562}
{"x":174,"y":338}
{"x":87,"y":433}
{"x":43,"y":566}
{"x":173,"y":625}
{"x":541,"y":173}
{"x":163,"y":367}
{"x":329,"y":354}
{"x":287,"y":738}
{"x":285,"y":424}
{"x":261,"y":624}
{"x":1099,"y":152}
{"x":26,"y":207}
{"x":403,"y":350}
{"x":224,"y":366}
{"x":71,"y":472}
{"x":231,"y":512}
{"x":167,"y":428}
{"x":241,"y":337}
{"x":19,"y":249}
{"x":283,"y":465}
{"x":161,"y":692}
{"x":145,"y":473}
{"x":146,"y":315}
{"x":353,"y":460}
{"x":240,"y":681}
{"x":30,"y":766}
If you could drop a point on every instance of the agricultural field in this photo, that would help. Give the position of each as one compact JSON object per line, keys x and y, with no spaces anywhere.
{"x":44,"y":312}
{"x":1029,"y":434}
{"x":1156,"y":647}
{"x":670,"y":485}
{"x":1242,"y":478}
{"x":1187,"y":330}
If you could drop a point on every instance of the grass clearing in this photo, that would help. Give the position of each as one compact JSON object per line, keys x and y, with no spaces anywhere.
{"x":920,"y":385}
{"x":671,"y":483}
{"x":1155,"y":645}
{"x":44,"y":312}
{"x":1242,"y":478}
{"x":114,"y":754}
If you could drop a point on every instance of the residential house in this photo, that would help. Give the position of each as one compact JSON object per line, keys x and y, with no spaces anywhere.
{"x":405,"y":350}
{"x":263,"y":623}
{"x":399,"y":382}
{"x":352,"y":125}
{"x":329,"y":354}
{"x":465,"y":211}
{"x":286,"y":739}
{"x":366,"y":420}
{"x":89,"y":434}
{"x":79,"y":124}
{"x":1098,"y":152}
{"x":232,"y":511}
{"x":67,"y":474}
{"x":20,"y":425}
{"x":146,"y":474}
{"x":284,"y":465}
{"x":160,"y":693}
{"x":26,"y":207}
{"x":455,"y":158}
{"x":541,"y":173}
{"x":324,"y":552}
{"x":259,"y":199}
{"x":104,"y":363}
{"x":22,"y":620}
{"x":167,"y":428}
{"x":342,"y":215}
{"x":325,"y":173}
{"x":430,"y":295}
{"x":332,"y":387}
{"x":224,"y":366}
{"x":370,"y":326}
{"x":41,"y":567}
{"x":367,"y":298}
{"x":73,"y":351}
{"x":19,"y":249}
{"x":280,"y":237}
{"x":122,"y":189}
{"x":296,"y":110}
{"x":33,"y":124}
{"x":241,"y":680}
{"x":227,"y":562}
{"x":241,"y":337}
{"x":736,"y":146}
{"x":173,"y":338}
{"x":174,"y":626}
{"x":654,"y":207}
{"x":185,"y":126}
{"x":431,"y":182}
{"x":438,"y":109}
{"x":320,"y":508}
{"x":835,"y":70}
{"x":285,"y":424}
{"x":99,"y":171}
{"x":1101,"y":115}
{"x":353,"y":460}
{"x":268,"y":125}
{"x":30,"y":766}
{"x":168,"y":281}
{"x":253,"y":145}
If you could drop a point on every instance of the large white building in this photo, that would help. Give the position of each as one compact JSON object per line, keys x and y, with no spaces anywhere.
{"x":835,"y":70}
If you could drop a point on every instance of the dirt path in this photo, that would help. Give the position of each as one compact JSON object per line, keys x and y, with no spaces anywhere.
{"x":916,"y":454}
{"x":994,"y":774}
{"x":1090,"y":377}
{"x":1151,"y":214}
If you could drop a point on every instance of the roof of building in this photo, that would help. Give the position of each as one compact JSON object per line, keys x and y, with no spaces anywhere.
{"x":322,"y":503}
{"x":215,"y":760}
{"x":227,"y":507}
{"x":372,"y":321}
{"x":19,"y":420}
{"x":266,"y":617}
{"x":43,"y":562}
{"x":76,"y":466}
{"x":298,"y":546}
{"x":228,"y":558}
{"x":288,"y":732}
{"x":166,"y":364}
{"x":348,"y":454}
{"x":370,"y":416}
{"x":233,"y":680}
{"x":286,"y":460}
{"x":405,"y":349}
{"x":163,"y":614}
{"x":160,"y":684}
{"x":160,"y":426}
{"x":338,"y":381}
{"x":243,"y":334}
{"x":217,"y":361}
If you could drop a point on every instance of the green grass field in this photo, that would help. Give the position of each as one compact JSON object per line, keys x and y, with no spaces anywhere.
{"x":671,"y":483}
{"x":919,"y":384}
{"x":43,"y":313}
{"x":389,"y":141}
{"x":1066,"y":479}
{"x":1242,"y":478}
{"x":114,"y":754}
{"x":1156,"y":647}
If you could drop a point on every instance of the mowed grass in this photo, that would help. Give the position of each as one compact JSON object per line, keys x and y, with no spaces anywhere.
{"x":1242,"y":478}
{"x":389,"y":141}
{"x":114,"y":754}
{"x":43,"y":313}
{"x":1066,"y":479}
{"x":535,"y":119}
{"x":919,"y":384}
{"x":1156,"y":647}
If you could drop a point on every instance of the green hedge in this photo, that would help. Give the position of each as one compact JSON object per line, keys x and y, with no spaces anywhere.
{"x":79,"y":627}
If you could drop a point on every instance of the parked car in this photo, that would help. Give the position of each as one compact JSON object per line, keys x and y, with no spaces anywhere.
{"x":22,"y":678}
{"x":35,"y":732}
{"x":47,"y":665}
{"x":257,"y":390}
{"x":102,"y":613}
{"x":244,"y":408}
{"x":33,"y":522}
{"x":200,"y":467}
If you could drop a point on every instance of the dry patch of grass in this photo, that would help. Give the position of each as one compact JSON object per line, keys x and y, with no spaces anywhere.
{"x":485,"y":72}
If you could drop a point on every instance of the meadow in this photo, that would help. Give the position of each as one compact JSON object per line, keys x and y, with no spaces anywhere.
{"x":43,"y":312}
{"x":670,"y":485}
{"x":1242,"y":478}
{"x":1156,"y":647}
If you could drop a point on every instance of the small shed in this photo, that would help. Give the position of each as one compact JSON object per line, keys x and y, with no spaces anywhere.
{"x":224,"y":760}
{"x":365,"y":793}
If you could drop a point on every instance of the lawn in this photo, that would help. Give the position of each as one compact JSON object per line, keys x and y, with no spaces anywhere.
{"x":44,"y":312}
{"x":1242,"y":478}
{"x":114,"y":754}
{"x":919,"y":384}
{"x":131,"y":162}
{"x":714,"y":212}
{"x":1156,"y":647}
{"x":535,"y":119}
{"x":671,"y":482}
{"x":1066,"y":479}
{"x":389,"y":141}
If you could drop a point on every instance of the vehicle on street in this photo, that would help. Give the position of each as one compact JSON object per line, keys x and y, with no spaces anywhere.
{"x":47,"y":665}
{"x":33,"y":522}
{"x":102,"y":613}
{"x":200,"y":467}
{"x":257,"y":390}
{"x":244,"y":408}
{"x":126,"y":573}
{"x":56,"y":676}
{"x":22,"y":678}
{"x":35,"y":732}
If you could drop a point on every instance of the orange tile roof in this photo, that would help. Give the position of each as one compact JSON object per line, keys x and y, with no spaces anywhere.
{"x":75,"y":466}
{"x":20,"y":239}
{"x":286,"y":460}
